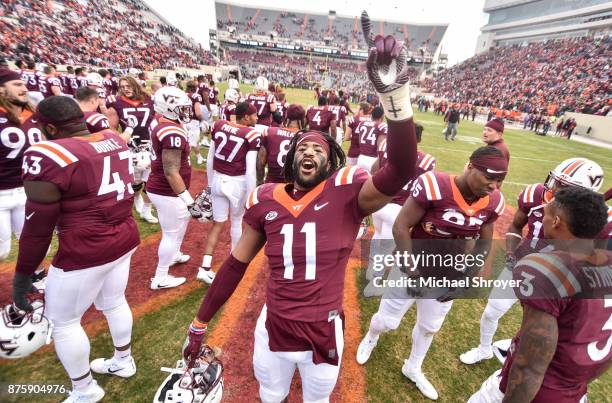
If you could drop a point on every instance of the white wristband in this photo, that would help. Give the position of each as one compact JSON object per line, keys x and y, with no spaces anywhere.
{"x":397,"y":103}
{"x":186,"y":197}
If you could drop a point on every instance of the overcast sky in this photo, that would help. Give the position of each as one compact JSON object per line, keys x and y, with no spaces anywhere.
{"x":465,"y":18}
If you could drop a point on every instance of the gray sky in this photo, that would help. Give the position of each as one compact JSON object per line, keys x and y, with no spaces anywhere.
{"x":465,"y":18}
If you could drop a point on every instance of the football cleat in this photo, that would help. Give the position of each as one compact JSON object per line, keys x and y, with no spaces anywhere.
{"x":110,"y":366}
{"x":93,"y":393}
{"x":180,"y":258}
{"x":500,"y":349}
{"x":167,"y":281}
{"x":365,"y":348}
{"x":22,"y":333}
{"x":421,"y":382}
{"x":475,"y":355}
{"x":203,"y":383}
{"x":138,"y":203}
{"x":149,"y":217}
{"x":205,"y":275}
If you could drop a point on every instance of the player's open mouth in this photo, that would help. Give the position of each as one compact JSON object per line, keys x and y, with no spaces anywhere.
{"x":307,"y":166}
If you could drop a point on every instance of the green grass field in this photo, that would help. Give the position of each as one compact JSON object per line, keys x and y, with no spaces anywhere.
{"x":159,"y":334}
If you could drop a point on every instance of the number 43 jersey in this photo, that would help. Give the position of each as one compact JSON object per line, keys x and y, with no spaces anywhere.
{"x":94,"y":174}
{"x":309,"y":241}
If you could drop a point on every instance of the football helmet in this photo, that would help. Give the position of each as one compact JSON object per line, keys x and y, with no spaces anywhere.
{"x":22,"y":333}
{"x":171,"y":80}
{"x":204,"y":202}
{"x":141,"y":156}
{"x":232,"y":95}
{"x":576,"y":172}
{"x":95,"y":79}
{"x":261,"y":84}
{"x":172,"y":103}
{"x":201,"y":384}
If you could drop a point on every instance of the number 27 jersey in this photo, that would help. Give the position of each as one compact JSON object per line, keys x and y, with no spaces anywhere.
{"x":308,"y":243}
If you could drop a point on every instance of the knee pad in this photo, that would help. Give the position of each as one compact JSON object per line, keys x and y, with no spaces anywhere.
{"x":120,"y":305}
{"x":319,"y":390}
{"x":431,"y":322}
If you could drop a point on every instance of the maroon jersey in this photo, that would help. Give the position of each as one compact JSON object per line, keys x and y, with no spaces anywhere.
{"x":108,"y":86}
{"x":501,"y":146}
{"x":227,"y":110}
{"x":425,"y":163}
{"x":82,"y":81}
{"x":262,"y":101}
{"x":281,"y":107}
{"x":71,"y":85}
{"x":47,"y":83}
{"x":141,"y":110}
{"x":319,"y":118}
{"x":353,"y":122}
{"x":276,"y":142}
{"x":14,"y":140}
{"x":195,"y":98}
{"x":30,"y":78}
{"x":115,"y":85}
{"x":95,"y":122}
{"x":166,"y":134}
{"x":531,"y":201}
{"x":339,"y":112}
{"x":369,"y":132}
{"x":232,"y":143}
{"x":203,"y":90}
{"x":570,"y":288}
{"x":213,"y":95}
{"x":309,"y":241}
{"x":94,"y":175}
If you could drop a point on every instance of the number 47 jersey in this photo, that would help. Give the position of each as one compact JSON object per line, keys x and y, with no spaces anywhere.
{"x":309,"y":242}
{"x":94,"y":175}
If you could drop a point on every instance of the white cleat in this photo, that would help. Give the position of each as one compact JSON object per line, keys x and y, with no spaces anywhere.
{"x":138,"y":203}
{"x":475,"y":355}
{"x":199,"y":159}
{"x":149,"y":217}
{"x":371,"y":290}
{"x":180,"y":258}
{"x":422,"y":384}
{"x":92,"y":394}
{"x":365,"y":348}
{"x":205,"y":275}
{"x":500,"y":349}
{"x":109,"y":366}
{"x":168,"y":281}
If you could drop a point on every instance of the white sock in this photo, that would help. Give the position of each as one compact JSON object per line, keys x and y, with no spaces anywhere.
{"x":146,"y":209}
{"x":82,"y":384}
{"x":488,"y":326}
{"x":123,"y":354}
{"x":207,"y":261}
{"x":421,"y":341}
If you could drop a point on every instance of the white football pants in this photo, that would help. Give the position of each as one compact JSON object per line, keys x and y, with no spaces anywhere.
{"x":229,"y":195}
{"x":365,"y":162}
{"x":68,"y":294}
{"x":173,"y":219}
{"x":274,"y":370}
{"x":12,"y":216}
{"x":193,"y":128}
{"x":382,"y":241}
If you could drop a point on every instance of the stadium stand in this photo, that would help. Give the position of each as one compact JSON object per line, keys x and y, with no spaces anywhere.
{"x":77,"y":32}
{"x":553,"y":76}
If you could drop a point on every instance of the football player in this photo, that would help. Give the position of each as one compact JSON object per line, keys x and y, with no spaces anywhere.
{"x":18,"y":131}
{"x":80,"y":183}
{"x":81,"y":76}
{"x":564,"y":341}
{"x":363,"y":115}
{"x":382,"y":240}
{"x":574,"y":172}
{"x":492,"y":134}
{"x":370,"y":134}
{"x":264,"y":103}
{"x":32,"y":78}
{"x":50,"y":84}
{"x":309,"y":226}
{"x":281,"y":107}
{"x":444,"y":212}
{"x":88,"y":100}
{"x":275,"y":146}
{"x":69,"y":82}
{"x":340,"y":113}
{"x":133,"y":103}
{"x":321,"y":119}
{"x":228,"y":109}
{"x":193,"y":127}
{"x":213,"y":100}
{"x":168,"y":184}
{"x":231,"y":170}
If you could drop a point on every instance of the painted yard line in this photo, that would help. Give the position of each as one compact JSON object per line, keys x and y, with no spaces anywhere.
{"x":352,"y":375}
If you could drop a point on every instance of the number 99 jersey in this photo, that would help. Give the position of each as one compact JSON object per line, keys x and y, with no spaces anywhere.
{"x":308,"y":243}
{"x":14,"y":140}
{"x":167,"y":135}
{"x":94,"y":175}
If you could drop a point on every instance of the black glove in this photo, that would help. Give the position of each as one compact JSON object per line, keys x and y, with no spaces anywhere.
{"x":22,"y":285}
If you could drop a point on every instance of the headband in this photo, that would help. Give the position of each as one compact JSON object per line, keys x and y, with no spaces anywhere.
{"x":56,"y":122}
{"x":314,"y":137}
{"x":494,"y":166}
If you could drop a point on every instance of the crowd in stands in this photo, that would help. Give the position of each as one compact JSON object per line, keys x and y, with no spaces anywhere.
{"x":551,"y":77}
{"x":105,"y":33}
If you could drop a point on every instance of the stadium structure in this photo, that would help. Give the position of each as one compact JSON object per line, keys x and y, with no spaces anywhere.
{"x":317,"y":34}
{"x":524,"y":21}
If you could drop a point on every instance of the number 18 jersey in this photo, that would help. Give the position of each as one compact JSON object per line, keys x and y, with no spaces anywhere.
{"x":309,"y":241}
